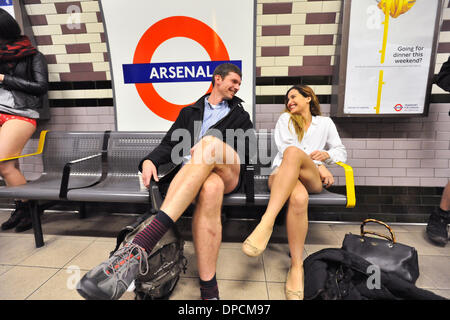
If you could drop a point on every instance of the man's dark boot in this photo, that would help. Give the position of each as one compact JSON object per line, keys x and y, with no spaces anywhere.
{"x":16,"y":216}
{"x":437,"y":227}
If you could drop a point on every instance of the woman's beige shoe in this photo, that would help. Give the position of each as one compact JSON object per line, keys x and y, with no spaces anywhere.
{"x":295,"y":295}
{"x":250,"y":248}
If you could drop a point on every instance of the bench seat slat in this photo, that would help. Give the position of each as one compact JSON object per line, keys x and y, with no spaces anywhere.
{"x":45,"y":188}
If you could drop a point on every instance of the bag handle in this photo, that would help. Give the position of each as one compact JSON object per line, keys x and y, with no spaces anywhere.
{"x":392,"y":238}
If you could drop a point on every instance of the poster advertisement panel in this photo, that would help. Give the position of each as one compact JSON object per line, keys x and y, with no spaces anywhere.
{"x":390,"y":56}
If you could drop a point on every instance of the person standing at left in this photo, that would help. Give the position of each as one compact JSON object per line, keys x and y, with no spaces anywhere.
{"x":23,"y":82}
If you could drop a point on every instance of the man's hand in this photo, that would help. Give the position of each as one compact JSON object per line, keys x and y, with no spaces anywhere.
{"x":319,"y":155}
{"x":2,"y":77}
{"x":148,"y":172}
{"x":326,"y":176}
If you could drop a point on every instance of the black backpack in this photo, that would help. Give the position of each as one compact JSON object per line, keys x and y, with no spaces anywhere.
{"x":166,"y":261}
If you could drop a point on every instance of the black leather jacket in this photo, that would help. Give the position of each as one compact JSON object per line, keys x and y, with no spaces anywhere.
{"x":28,"y":83}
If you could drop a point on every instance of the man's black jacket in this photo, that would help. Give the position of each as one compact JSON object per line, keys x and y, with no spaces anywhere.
{"x":335,"y":274}
{"x":237,"y":118}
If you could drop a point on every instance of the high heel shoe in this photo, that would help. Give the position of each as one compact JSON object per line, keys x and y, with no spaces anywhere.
{"x":250,"y":247}
{"x":298,"y":294}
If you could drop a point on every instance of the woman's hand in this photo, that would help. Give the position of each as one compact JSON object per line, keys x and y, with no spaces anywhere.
{"x":319,"y":155}
{"x":326,"y":176}
{"x":2,"y":76}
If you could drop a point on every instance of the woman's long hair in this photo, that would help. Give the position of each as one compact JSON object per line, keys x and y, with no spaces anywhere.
{"x":314,"y":106}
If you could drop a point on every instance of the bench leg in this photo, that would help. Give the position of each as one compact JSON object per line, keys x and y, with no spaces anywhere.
{"x":36,"y":221}
{"x":82,"y":210}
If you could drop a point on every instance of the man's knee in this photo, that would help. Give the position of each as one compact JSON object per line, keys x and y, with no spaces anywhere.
{"x":208,"y":150}
{"x":211,"y":139}
{"x":213,"y":189}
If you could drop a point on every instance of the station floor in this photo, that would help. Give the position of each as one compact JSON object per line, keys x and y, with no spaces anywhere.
{"x":72,"y":247}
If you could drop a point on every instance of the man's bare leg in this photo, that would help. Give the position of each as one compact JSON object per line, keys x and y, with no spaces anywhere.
{"x":207,"y":226}
{"x":181,"y":193}
{"x":185,"y":186}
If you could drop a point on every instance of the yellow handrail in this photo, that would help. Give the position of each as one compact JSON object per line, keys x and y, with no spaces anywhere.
{"x":350,"y":184}
{"x":38,"y":151}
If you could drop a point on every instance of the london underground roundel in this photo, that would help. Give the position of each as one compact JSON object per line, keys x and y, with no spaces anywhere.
{"x":143,"y":73}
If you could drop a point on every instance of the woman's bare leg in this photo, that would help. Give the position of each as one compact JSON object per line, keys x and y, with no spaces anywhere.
{"x":297,"y":228}
{"x":295,"y":165}
{"x":14,"y":134}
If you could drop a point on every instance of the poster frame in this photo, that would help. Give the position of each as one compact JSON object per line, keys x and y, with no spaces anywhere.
{"x":340,"y":71}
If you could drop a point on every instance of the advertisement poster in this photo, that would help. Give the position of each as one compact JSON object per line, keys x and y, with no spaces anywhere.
{"x":163,"y":55}
{"x":389,"y":55}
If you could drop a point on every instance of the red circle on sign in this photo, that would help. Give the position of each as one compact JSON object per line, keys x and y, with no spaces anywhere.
{"x":398,"y":107}
{"x":164,"y":30}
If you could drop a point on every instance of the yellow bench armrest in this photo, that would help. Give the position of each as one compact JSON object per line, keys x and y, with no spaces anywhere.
{"x":350,"y":184}
{"x":38,"y":151}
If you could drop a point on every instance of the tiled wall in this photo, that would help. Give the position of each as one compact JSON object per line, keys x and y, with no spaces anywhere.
{"x":295,"y":43}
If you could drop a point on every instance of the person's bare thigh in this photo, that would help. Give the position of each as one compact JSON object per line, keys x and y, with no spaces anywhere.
{"x":14,"y":134}
{"x":229,"y":169}
{"x":309,"y":176}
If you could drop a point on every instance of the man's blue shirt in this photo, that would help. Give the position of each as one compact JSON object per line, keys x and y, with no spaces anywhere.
{"x":211,"y":115}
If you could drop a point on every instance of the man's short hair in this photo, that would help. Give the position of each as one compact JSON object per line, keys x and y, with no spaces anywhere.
{"x":224,"y":69}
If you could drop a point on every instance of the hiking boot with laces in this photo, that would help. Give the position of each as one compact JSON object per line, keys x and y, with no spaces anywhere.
{"x":110,"y":279}
{"x":16,"y":216}
{"x":437,"y":227}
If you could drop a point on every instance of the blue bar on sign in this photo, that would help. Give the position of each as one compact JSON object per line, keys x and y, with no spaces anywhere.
{"x":172,"y":71}
{"x":5,"y":3}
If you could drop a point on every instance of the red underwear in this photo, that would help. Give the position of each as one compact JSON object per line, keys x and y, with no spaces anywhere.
{"x":5,"y":117}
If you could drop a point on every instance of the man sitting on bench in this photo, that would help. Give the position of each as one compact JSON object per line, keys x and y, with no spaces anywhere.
{"x":212,"y":169}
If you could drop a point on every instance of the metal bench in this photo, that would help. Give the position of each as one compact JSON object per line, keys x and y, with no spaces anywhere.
{"x":58,"y":150}
{"x":122,"y":183}
{"x":103,"y":167}
{"x":267,"y":150}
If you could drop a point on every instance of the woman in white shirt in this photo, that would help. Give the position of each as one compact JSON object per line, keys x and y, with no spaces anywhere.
{"x":306,"y":141}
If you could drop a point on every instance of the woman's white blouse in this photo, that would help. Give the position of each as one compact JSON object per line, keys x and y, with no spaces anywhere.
{"x":322,"y":135}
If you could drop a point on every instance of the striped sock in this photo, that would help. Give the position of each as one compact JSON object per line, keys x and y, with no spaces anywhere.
{"x":152,"y":233}
{"x":209,"y":289}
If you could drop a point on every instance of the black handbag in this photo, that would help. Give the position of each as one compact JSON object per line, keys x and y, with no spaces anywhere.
{"x":389,"y":255}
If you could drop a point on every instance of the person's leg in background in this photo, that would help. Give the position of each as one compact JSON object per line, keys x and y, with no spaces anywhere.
{"x":437,"y":227}
{"x":14,"y":134}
